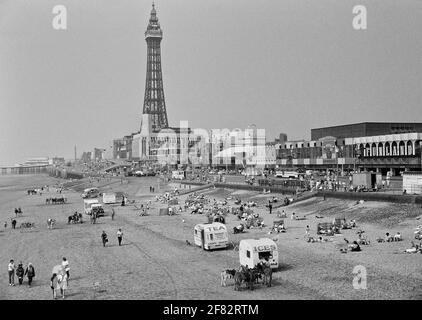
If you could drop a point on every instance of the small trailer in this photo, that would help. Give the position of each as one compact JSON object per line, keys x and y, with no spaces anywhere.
{"x":211,"y":236}
{"x":109,"y":198}
{"x":251,"y":251}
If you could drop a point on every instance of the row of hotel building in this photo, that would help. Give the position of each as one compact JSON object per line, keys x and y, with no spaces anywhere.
{"x":368,"y":146}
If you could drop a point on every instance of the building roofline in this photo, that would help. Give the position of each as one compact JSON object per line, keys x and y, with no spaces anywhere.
{"x":366,"y":122}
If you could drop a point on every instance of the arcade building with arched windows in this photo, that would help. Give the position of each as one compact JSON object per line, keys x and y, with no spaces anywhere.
{"x":369,"y":146}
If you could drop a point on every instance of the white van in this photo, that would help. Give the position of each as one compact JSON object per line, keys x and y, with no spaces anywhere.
{"x":251,"y":251}
{"x":211,"y":236}
{"x":109,"y":198}
{"x":89,"y":204}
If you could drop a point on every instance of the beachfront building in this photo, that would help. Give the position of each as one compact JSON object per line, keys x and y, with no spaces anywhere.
{"x":167,"y":147}
{"x":238,"y":149}
{"x":189,"y":148}
{"x":122,"y":147}
{"x":98,"y":154}
{"x":86,"y":156}
{"x":378,"y":147}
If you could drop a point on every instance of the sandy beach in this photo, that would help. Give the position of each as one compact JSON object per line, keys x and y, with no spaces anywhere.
{"x":155,"y":262}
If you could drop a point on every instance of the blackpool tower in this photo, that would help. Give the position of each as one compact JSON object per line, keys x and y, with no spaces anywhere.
{"x":154,"y":103}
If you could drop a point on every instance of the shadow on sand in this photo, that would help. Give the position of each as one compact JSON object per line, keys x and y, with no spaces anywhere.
{"x":283,"y":267}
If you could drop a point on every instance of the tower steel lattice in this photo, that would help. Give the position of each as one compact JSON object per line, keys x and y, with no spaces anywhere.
{"x":154,"y":103}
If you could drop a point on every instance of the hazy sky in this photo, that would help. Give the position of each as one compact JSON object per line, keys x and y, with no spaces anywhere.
{"x":284,"y":65}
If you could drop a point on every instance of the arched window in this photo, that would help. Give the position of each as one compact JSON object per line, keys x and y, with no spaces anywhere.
{"x":368,"y":150}
{"x":374,"y":149}
{"x":360,"y":151}
{"x":402,"y":148}
{"x":380,"y":150}
{"x":409,"y":148}
{"x":394,"y":151}
{"x":387,"y":149}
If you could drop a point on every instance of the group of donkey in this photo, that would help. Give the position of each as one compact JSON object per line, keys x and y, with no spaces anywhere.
{"x":33,"y":191}
{"x":60,"y":200}
{"x":249,"y":276}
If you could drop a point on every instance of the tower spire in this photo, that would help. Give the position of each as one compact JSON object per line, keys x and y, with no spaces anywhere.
{"x":154,"y":102}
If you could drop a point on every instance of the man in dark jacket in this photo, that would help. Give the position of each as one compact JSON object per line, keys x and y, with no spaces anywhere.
{"x":104,"y":238}
{"x":20,"y":273}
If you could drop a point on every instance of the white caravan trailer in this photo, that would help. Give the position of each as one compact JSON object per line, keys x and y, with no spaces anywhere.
{"x":251,"y":251}
{"x":211,"y":236}
{"x":109,"y":198}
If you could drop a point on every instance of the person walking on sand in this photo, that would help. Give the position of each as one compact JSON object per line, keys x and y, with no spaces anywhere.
{"x":30,"y":273}
{"x":308,"y":229}
{"x":13,"y":224}
{"x":20,"y":272}
{"x":104,"y":238}
{"x":112,"y":213}
{"x":65,"y":265}
{"x":270,"y":206}
{"x":119,"y":236}
{"x":11,"y":271}
{"x":62,"y":282}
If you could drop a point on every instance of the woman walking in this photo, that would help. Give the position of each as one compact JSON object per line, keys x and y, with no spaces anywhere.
{"x":65,"y":265}
{"x":62,"y":282}
{"x":30,"y":273}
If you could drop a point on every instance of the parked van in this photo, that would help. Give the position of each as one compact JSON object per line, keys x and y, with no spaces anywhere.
{"x":211,"y":236}
{"x":90,"y":204}
{"x":251,"y":251}
{"x":90,"y":193}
